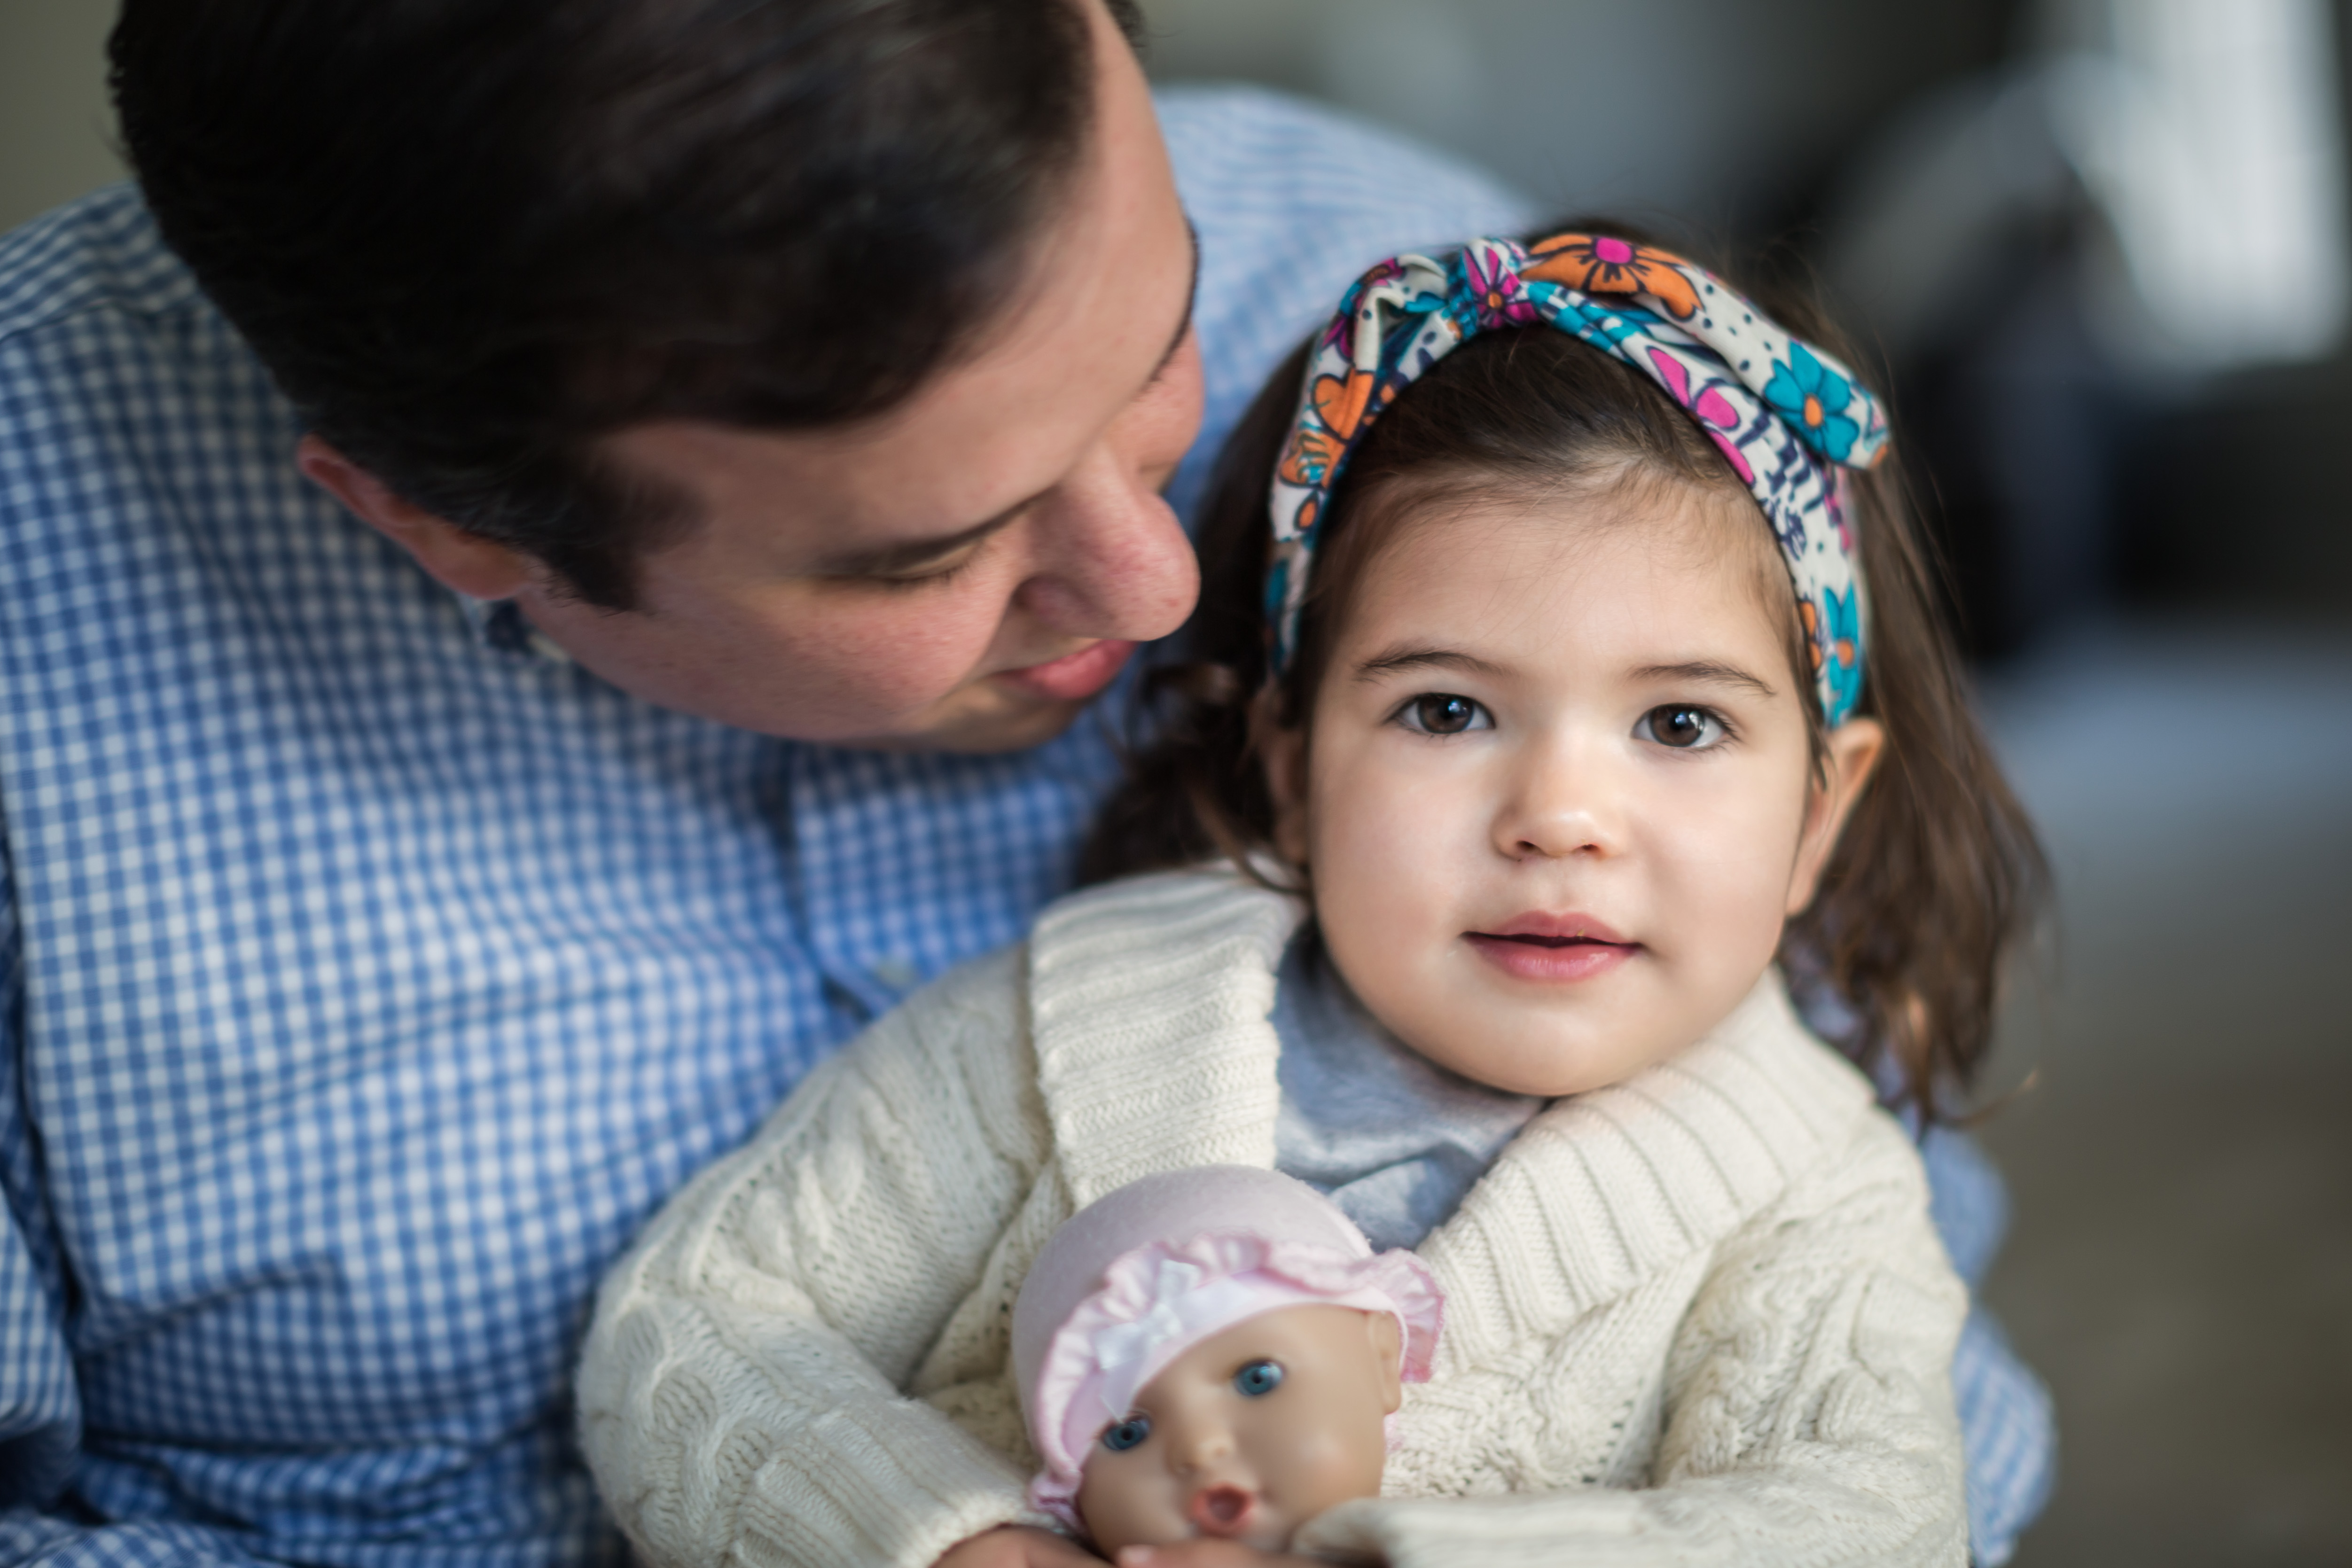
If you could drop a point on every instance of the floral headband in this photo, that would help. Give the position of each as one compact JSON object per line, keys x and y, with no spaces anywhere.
{"x":1786,"y":415}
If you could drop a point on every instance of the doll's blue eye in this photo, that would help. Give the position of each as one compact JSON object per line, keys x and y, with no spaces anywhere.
{"x":1258,"y":1379}
{"x":1127,"y":1434}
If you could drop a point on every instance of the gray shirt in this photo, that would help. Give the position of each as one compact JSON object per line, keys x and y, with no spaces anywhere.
{"x":1392,"y":1137}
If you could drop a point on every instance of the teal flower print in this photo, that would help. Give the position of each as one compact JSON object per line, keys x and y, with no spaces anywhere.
{"x":1812,"y":398}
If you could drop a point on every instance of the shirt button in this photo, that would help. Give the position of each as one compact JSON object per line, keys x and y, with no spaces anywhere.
{"x":895,"y":970}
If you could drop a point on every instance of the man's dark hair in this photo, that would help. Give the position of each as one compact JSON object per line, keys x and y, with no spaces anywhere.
{"x":470,"y":237}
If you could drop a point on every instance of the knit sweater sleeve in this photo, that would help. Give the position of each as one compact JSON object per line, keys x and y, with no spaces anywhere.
{"x":740,"y":1393}
{"x":1809,"y":1415}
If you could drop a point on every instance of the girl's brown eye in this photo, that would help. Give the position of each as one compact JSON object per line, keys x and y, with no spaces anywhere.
{"x":1443,"y":713}
{"x":1681,"y":727}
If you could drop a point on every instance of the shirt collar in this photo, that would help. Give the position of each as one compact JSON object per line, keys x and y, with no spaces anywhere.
{"x":500,"y":625}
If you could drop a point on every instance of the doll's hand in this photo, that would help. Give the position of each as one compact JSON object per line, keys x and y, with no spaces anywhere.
{"x":1206,"y":1552}
{"x":1018,"y":1546}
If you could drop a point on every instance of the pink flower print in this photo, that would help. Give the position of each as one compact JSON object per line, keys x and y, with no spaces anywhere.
{"x":1497,"y":295}
{"x":1733,"y":455}
{"x":1714,"y":410}
{"x":1671,"y":371}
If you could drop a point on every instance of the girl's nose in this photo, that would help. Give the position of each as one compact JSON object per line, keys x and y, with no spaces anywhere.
{"x":1557,"y":807}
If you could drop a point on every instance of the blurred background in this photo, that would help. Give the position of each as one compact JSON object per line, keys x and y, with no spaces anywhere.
{"x":2099,"y":251}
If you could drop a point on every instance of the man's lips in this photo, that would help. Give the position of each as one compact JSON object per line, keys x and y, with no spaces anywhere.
{"x":1552,"y":947}
{"x":1073,"y":677}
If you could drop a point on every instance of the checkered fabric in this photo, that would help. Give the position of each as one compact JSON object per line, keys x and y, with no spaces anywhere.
{"x":369,"y":975}
{"x":2007,"y":1420}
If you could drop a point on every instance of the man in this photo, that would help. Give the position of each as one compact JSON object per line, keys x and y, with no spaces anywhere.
{"x":549,"y":559}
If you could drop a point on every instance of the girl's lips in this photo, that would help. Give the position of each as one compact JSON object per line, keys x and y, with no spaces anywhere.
{"x":1553,"y":948}
{"x":1541,"y":925}
{"x":1073,"y":677}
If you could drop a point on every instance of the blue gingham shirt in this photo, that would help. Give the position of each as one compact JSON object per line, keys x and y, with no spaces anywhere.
{"x":368,"y":973}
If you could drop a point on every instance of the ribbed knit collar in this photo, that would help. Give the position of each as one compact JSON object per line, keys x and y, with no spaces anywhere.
{"x":1149,"y":1002}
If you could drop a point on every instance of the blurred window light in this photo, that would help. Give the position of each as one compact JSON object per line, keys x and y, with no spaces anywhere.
{"x":1413,"y":63}
{"x":2216,"y":146}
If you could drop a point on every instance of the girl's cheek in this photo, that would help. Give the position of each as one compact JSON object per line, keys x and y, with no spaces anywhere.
{"x":1385,"y":830}
{"x":1381,"y":866}
{"x":1736,"y":875}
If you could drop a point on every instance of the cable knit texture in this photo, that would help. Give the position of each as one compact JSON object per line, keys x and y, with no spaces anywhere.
{"x":1697,"y":1318}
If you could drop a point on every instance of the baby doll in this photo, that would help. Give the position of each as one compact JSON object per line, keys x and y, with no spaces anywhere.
{"x":1214,"y":1352}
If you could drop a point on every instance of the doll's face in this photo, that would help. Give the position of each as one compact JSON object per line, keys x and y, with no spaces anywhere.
{"x":1250,"y":1434}
{"x":1557,"y":800}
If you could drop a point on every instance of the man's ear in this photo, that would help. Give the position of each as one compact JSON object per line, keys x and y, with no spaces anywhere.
{"x":1388,"y":1358}
{"x":1854,"y":748}
{"x":1283,"y":754}
{"x":468,"y":563}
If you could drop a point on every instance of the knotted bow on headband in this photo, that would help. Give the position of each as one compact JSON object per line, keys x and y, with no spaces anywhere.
{"x":1785,"y":414}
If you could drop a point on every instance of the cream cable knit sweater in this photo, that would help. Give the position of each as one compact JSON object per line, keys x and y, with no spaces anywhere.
{"x":1696,"y":1318}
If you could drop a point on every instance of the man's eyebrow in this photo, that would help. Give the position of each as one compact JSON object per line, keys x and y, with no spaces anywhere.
{"x":1708,"y":673}
{"x":888,"y":560}
{"x":1397,"y":659}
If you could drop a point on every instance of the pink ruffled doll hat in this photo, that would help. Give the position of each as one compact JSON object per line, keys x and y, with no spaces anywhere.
{"x":1140,"y":1276}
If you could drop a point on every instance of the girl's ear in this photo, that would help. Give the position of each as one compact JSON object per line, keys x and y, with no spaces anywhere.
{"x":1283,"y":753}
{"x":1854,"y":748}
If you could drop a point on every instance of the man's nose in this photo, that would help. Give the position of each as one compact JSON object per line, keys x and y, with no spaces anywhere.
{"x":1561,"y":800}
{"x":1114,"y":562}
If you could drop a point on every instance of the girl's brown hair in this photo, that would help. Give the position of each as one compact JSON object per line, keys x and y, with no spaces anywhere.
{"x":1938,"y":870}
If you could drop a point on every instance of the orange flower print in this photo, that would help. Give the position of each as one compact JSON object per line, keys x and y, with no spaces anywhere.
{"x":1340,"y":403}
{"x":1309,"y":456}
{"x":1604,"y":264}
{"x":1337,"y":405}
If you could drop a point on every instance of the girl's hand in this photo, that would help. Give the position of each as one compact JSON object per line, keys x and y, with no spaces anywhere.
{"x":1018,"y":1546}
{"x":1211,"y":1553}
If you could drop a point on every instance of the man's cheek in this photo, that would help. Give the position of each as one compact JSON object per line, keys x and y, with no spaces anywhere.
{"x":910,"y":652}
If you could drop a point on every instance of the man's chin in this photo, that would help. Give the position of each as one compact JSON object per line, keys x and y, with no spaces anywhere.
{"x":987,"y":717}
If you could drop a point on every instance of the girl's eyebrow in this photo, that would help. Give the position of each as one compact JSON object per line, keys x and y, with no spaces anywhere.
{"x":1706,"y":672}
{"x":1409,"y":658}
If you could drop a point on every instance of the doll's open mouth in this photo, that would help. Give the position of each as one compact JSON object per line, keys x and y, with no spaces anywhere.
{"x":1222,"y":1510}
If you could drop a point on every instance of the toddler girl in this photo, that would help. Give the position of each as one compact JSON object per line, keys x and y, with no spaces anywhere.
{"x":1597,"y":699}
